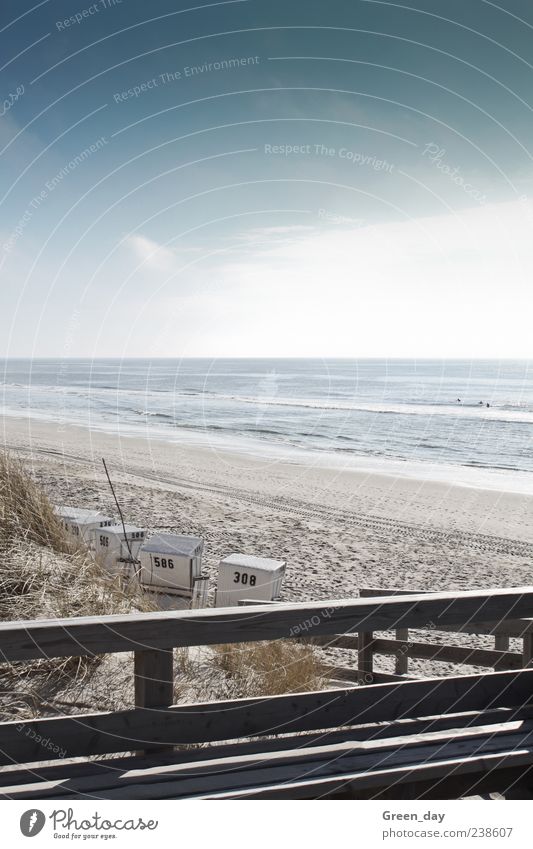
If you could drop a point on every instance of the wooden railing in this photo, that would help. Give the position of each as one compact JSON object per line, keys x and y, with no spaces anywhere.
{"x":155,"y":721}
{"x":402,"y":647}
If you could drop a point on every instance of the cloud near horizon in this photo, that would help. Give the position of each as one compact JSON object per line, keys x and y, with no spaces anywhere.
{"x":444,"y":285}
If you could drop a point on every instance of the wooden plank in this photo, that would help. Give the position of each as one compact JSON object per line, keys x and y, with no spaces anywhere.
{"x":125,"y":731}
{"x":504,"y":780}
{"x":365,"y":657}
{"x":434,"y":771}
{"x":510,"y":628}
{"x":447,"y":653}
{"x":336,"y":641}
{"x":403,"y":755}
{"x":450,"y":654}
{"x":383,"y":677}
{"x":65,"y":770}
{"x":87,"y":636}
{"x":346,"y":673}
{"x":316,"y":760}
{"x":376,"y":592}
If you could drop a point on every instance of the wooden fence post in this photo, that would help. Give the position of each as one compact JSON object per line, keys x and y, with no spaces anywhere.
{"x":402,"y":657}
{"x":154,"y":679}
{"x":527,"y":653}
{"x":365,"y":657}
{"x":501,"y":642}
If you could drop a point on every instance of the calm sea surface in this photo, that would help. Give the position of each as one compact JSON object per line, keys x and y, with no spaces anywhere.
{"x":444,"y":414}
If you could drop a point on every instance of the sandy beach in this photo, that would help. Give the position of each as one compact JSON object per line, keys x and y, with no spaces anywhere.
{"x":338,"y":530}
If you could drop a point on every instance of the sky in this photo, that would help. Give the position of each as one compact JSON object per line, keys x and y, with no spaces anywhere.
{"x":266,"y":178}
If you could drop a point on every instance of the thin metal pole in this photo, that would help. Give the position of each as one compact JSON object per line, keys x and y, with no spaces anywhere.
{"x":119,"y":511}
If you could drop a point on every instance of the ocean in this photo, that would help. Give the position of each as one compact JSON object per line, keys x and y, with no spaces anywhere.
{"x":464,"y":420}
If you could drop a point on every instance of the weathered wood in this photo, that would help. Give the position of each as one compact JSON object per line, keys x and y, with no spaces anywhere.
{"x":501,"y":642}
{"x":509,"y":627}
{"x":502,"y":630}
{"x":450,"y":654}
{"x":160,"y":781}
{"x":430,"y":651}
{"x":402,"y":657}
{"x":428,"y":770}
{"x":365,"y":657}
{"x":125,"y":731}
{"x":511,"y":782}
{"x":336,"y":641}
{"x":154,"y":678}
{"x":366,"y":763}
{"x":527,"y":652}
{"x":88,"y":636}
{"x":66,"y":770}
{"x":346,"y":673}
{"x":376,"y":592}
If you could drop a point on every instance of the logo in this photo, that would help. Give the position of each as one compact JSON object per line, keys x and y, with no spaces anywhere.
{"x":32,"y":822}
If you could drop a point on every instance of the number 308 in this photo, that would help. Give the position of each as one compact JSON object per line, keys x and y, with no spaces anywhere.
{"x":244,"y":578}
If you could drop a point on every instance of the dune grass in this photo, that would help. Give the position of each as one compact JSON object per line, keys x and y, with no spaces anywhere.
{"x":270,"y":668}
{"x":26,"y":514}
{"x":44,"y":576}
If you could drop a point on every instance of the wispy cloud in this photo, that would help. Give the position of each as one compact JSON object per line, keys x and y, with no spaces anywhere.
{"x":152,"y":255}
{"x":450,"y":285}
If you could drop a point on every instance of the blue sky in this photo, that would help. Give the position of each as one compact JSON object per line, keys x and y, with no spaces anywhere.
{"x":262,"y":178}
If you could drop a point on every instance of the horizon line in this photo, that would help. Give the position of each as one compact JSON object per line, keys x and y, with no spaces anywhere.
{"x":272,"y":357}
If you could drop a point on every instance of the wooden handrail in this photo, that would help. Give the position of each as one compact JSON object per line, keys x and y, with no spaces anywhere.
{"x":89,"y":636}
